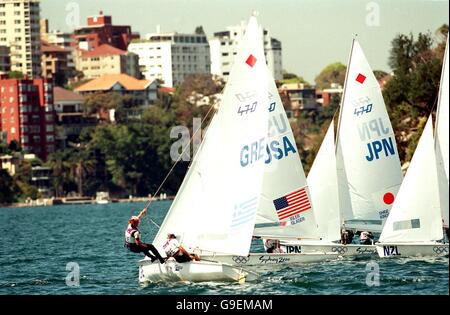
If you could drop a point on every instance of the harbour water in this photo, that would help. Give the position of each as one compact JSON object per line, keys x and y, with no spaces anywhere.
{"x":40,"y":246}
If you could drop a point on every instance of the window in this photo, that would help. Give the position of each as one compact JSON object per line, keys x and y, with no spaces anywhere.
{"x":13,"y":130}
{"x":17,"y":22}
{"x":35,"y":129}
{"x":50,"y":138}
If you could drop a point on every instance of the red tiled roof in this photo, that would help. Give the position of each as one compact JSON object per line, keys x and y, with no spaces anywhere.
{"x":106,"y":82}
{"x":165,"y":89}
{"x":60,"y":94}
{"x":47,"y":47}
{"x":104,"y":50}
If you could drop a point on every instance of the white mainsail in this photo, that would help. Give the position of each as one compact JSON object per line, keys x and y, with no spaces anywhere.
{"x":416,"y":215}
{"x":322,"y":182}
{"x":368,"y":164}
{"x":216,"y":205}
{"x":441,"y":137}
{"x":285,"y":210}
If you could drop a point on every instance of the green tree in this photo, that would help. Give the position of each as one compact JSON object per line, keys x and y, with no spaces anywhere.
{"x":333,"y":73}
{"x":22,"y":177}
{"x":410,"y":95}
{"x":60,"y":165}
{"x":379,"y":74}
{"x":292,"y":78}
{"x":16,"y":75}
{"x":81,"y":165}
{"x":7,"y":194}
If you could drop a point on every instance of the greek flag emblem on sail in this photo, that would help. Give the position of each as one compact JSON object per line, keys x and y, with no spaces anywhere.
{"x":244,"y":212}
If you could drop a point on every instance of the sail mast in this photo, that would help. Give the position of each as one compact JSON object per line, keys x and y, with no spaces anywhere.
{"x":343,"y":93}
{"x":441,"y":91}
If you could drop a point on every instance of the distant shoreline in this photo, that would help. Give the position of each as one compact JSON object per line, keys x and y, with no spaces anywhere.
{"x":78,"y":201}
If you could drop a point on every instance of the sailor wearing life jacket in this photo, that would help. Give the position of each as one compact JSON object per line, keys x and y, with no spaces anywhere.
{"x":173,"y":249}
{"x":133,"y":240}
{"x":365,"y":238}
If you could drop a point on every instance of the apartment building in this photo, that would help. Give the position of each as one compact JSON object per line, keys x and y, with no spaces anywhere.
{"x":19,"y":29}
{"x":224,"y":47}
{"x":106,"y":59}
{"x":27,"y":114}
{"x":171,"y":57}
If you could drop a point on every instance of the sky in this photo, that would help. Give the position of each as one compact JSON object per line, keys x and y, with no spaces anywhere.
{"x":313,"y":33}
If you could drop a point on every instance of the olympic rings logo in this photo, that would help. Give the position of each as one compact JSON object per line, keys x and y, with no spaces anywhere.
{"x":339,"y":249}
{"x":440,"y":249}
{"x":240,"y":260}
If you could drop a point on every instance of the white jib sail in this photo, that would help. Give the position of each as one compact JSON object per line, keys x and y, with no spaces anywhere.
{"x":368,"y":164}
{"x":216,"y":205}
{"x":323,"y":186}
{"x":441,"y":137}
{"x":416,"y":214}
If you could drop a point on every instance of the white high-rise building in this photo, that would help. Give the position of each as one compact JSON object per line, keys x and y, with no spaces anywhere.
{"x":19,"y":29}
{"x":224,"y":47}
{"x":171,"y":57}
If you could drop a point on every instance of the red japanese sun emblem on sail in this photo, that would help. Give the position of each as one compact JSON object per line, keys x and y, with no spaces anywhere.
{"x":388,"y":198}
{"x":251,"y":60}
{"x":360,"y":78}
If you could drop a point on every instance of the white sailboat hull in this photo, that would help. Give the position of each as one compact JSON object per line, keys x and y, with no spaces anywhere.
{"x":263,"y":262}
{"x":194,"y":271}
{"x":412,"y":249}
{"x":323,"y":247}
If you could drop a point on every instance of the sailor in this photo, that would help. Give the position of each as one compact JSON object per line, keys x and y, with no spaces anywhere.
{"x":133,"y":240}
{"x":173,"y":249}
{"x":346,"y":237}
{"x":273,"y":246}
{"x":365,"y":238}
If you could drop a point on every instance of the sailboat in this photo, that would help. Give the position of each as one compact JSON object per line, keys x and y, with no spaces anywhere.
{"x":215,"y":208}
{"x":414,"y":226}
{"x":368,"y":164}
{"x":354,"y":183}
{"x":284,"y":210}
{"x":442,"y":142}
{"x":323,"y":185}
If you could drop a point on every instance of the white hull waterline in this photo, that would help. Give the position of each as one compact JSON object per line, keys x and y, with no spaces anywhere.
{"x":412,"y":250}
{"x":329,"y":247}
{"x":194,"y":271}
{"x":266,"y":261}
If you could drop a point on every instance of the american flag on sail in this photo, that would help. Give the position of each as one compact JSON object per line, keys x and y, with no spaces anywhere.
{"x":292,"y":204}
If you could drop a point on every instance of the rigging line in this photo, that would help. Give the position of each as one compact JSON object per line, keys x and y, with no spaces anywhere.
{"x":175,"y":164}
